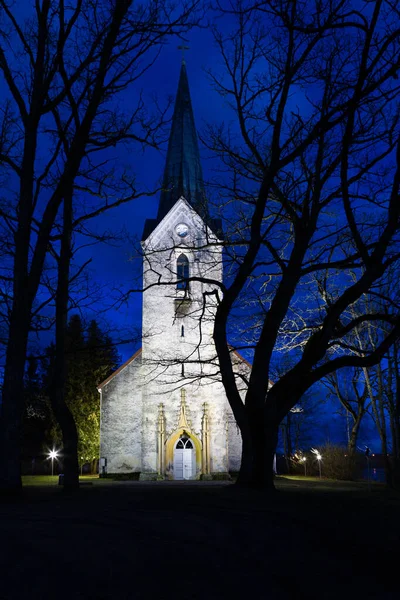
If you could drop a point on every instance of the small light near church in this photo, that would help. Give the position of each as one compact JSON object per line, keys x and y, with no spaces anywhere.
{"x":319,"y":458}
{"x":52,"y":455}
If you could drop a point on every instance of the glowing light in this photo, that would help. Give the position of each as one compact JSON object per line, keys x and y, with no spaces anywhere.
{"x":319,"y":458}
{"x":52,"y":455}
{"x":316,"y":453}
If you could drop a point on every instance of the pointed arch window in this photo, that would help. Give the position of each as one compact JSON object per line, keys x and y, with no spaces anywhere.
{"x":184,"y":442}
{"x":182,"y":272}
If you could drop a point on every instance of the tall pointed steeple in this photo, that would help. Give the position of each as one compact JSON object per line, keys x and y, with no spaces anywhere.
{"x":183,"y":175}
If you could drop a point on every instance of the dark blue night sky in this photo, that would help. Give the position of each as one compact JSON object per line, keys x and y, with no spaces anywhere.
{"x":118,"y":267}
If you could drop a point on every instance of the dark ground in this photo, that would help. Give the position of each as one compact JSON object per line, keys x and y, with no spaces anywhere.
{"x":131,"y":540}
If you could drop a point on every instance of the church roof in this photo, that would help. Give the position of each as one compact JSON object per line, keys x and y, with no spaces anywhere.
{"x":183,"y":174}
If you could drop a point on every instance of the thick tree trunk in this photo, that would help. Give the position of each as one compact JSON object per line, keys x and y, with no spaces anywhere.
{"x":258,"y":450}
{"x":12,"y":407}
{"x":69,"y":436}
{"x":13,"y":386}
{"x":246,"y":465}
{"x":61,"y":410}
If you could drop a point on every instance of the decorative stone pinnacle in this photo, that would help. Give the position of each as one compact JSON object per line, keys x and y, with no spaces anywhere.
{"x":183,"y":422}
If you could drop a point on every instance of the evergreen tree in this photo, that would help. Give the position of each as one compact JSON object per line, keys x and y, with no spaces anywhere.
{"x":90,"y":359}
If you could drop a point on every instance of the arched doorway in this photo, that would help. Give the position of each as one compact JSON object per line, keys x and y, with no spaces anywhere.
{"x":184,"y":458}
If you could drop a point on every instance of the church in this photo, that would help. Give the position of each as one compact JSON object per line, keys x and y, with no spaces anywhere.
{"x":164,"y":413}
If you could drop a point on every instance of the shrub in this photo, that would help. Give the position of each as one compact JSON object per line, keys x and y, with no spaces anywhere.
{"x":336,"y":463}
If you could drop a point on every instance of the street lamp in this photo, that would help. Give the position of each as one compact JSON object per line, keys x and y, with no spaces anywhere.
{"x":319,"y":458}
{"x":53,"y":454}
{"x":303,"y":460}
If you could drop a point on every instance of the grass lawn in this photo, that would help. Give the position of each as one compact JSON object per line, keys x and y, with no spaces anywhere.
{"x":51,"y":480}
{"x":130,"y":540}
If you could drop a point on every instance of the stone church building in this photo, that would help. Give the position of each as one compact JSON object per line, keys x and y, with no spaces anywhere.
{"x":164,"y":413}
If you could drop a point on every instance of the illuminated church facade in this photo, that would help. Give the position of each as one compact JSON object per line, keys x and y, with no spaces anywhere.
{"x":164,"y":413}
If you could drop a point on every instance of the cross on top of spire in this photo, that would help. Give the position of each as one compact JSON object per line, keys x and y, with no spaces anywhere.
{"x":183,"y":48}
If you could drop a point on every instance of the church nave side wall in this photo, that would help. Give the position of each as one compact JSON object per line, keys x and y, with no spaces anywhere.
{"x":121,"y":420}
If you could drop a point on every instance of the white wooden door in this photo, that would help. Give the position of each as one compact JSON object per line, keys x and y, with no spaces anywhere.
{"x":187,"y":463}
{"x":178,"y":464}
{"x":183,"y":463}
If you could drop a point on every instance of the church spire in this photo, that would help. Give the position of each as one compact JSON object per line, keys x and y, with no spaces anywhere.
{"x":182,"y":175}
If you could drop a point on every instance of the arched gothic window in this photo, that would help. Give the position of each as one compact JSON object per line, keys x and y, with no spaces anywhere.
{"x":182,"y":272}
{"x":184,"y":442}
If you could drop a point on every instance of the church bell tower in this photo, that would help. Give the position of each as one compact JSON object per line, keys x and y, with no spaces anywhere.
{"x":164,"y":413}
{"x":182,"y":255}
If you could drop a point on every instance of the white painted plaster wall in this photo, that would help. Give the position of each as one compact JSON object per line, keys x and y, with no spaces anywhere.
{"x":121,"y":420}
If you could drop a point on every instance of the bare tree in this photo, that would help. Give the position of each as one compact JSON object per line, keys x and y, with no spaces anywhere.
{"x":393,"y":402}
{"x":350,"y":388}
{"x":313,"y":169}
{"x":64,"y":67}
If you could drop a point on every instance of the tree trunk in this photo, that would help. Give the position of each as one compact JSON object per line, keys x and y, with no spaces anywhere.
{"x":353,"y":436}
{"x":380,"y":421}
{"x":12,"y":407}
{"x":258,"y":450}
{"x":388,"y":466}
{"x":61,"y":410}
{"x":395,"y":416}
{"x":246,"y":465}
{"x":13,"y":387}
{"x":287,"y":442}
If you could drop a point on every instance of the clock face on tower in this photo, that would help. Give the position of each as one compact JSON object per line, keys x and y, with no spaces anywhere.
{"x":182,"y":230}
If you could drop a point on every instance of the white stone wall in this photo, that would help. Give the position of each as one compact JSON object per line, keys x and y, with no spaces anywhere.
{"x":121,"y":420}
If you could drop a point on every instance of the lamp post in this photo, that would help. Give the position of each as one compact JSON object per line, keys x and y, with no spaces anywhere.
{"x":319,"y":458}
{"x":53,"y":454}
{"x":303,"y":460}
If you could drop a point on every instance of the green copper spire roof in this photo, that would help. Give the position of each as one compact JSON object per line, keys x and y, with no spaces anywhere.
{"x":182,"y":175}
